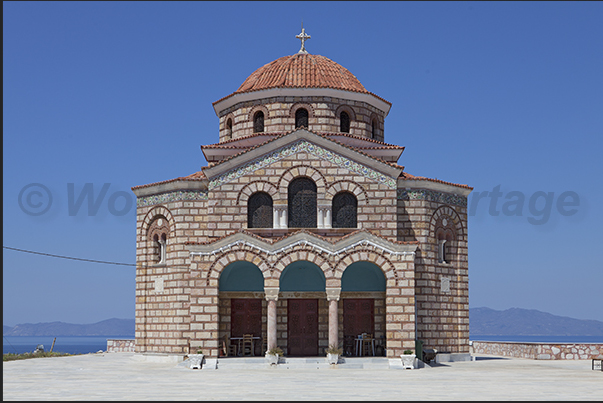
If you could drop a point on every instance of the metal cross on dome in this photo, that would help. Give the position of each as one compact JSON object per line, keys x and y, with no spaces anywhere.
{"x":303,"y":37}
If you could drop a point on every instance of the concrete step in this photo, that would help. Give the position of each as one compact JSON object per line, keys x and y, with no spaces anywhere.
{"x":306,"y":363}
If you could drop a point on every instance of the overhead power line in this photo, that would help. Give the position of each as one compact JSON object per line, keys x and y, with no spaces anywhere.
{"x":69,"y":257}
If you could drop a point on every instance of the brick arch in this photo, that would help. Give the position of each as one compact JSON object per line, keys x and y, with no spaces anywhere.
{"x":348,"y":109}
{"x":346,"y":185}
{"x":367,"y":255}
{"x":299,"y":171}
{"x":380,"y":128}
{"x":302,"y":253}
{"x":235,"y":255}
{"x":452,"y":231}
{"x":257,"y":186}
{"x":456,"y":225}
{"x":251,"y":114}
{"x":299,"y":105}
{"x":152,"y":215}
{"x":230,"y":116}
{"x":255,"y":109}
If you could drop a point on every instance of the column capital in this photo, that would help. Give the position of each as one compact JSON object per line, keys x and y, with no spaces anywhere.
{"x":333,"y":293}
{"x":271,"y":293}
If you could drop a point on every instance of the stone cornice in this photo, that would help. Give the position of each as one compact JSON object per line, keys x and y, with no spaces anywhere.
{"x":237,"y":98}
{"x":171,"y":186}
{"x":460,"y":190}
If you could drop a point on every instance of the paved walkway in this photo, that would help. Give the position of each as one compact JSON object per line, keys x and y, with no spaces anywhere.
{"x":122,"y":376}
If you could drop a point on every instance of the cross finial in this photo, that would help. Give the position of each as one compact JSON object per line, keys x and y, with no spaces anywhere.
{"x":303,"y":37}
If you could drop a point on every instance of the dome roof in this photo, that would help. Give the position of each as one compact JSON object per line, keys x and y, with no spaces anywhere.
{"x":302,"y":70}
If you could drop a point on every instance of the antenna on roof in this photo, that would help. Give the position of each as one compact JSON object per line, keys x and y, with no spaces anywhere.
{"x":303,"y":37}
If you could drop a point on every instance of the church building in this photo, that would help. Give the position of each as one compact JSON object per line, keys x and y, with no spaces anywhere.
{"x":303,"y":231}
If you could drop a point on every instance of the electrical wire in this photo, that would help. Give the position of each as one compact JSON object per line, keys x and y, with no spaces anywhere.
{"x":68,"y":257}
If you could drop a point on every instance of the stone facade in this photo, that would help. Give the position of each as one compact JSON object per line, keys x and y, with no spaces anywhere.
{"x":406,"y":251}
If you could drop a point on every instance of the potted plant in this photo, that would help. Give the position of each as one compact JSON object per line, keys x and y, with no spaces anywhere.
{"x":273,"y":354}
{"x":333,"y":354}
{"x":408,"y":359}
{"x":196,"y":360}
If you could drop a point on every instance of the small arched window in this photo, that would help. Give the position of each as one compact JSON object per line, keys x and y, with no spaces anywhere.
{"x":374,"y":128}
{"x":301,"y":118}
{"x":228,"y":135}
{"x":344,"y":122}
{"x":302,"y":203}
{"x":258,"y":122}
{"x":259,"y":211}
{"x":160,"y":243}
{"x":345,"y":210}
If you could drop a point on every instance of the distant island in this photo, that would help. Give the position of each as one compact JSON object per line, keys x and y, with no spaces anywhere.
{"x":109,"y":327}
{"x":528,"y":322}
{"x":482,"y":322}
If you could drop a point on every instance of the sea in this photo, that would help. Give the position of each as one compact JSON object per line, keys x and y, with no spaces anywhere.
{"x":63,"y":344}
{"x":541,"y":339}
{"x":93,"y":344}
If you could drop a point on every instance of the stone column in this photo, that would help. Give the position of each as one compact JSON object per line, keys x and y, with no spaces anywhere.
{"x":333,"y":294}
{"x":271,"y":297}
{"x":320,"y":220}
{"x":280,"y":216}
{"x":276,"y":222}
{"x":327,"y":217}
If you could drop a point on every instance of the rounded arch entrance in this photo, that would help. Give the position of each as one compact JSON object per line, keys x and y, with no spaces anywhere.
{"x":363,"y":286}
{"x":242,"y":308}
{"x":303,"y":284}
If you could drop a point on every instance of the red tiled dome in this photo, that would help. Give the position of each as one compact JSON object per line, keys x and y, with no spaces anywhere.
{"x":302,"y":70}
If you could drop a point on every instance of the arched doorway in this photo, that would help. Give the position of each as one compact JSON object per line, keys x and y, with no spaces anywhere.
{"x":302,"y":277}
{"x":241,"y":307}
{"x":363,"y":290}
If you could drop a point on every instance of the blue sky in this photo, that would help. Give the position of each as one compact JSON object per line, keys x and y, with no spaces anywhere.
{"x":505,"y":97}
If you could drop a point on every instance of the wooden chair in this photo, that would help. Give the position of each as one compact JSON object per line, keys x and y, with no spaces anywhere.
{"x":247,"y":345}
{"x":368,"y":344}
{"x":228,"y":348}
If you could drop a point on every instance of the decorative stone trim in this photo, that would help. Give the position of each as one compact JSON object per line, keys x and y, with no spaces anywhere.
{"x":170,"y":197}
{"x":310,"y":148}
{"x":431,"y":195}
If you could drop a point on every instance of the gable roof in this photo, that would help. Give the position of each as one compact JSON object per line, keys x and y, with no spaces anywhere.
{"x":321,"y":145}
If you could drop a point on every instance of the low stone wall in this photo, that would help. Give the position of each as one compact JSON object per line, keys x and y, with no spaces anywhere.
{"x":120,"y":345}
{"x":538,"y":351}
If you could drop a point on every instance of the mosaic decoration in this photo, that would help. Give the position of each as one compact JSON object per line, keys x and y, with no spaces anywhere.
{"x":170,"y":197}
{"x":310,"y":148}
{"x":431,"y":195}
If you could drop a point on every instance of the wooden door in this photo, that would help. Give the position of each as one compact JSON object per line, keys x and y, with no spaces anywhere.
{"x":245,"y":317}
{"x":302,"y":327}
{"x":358,"y":316}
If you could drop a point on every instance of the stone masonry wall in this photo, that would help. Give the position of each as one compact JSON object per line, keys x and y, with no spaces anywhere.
{"x":442,"y":316}
{"x":538,"y":351}
{"x":121,"y":345}
{"x":323,"y":116}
